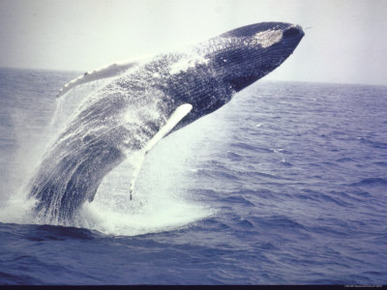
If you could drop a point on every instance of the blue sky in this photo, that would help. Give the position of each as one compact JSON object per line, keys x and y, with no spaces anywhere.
{"x":345,"y":40}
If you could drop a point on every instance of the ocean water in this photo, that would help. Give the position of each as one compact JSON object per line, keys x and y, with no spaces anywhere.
{"x":286,"y":184}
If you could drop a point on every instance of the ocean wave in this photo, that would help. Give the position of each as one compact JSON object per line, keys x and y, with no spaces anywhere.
{"x":216,"y":202}
{"x":373,"y":181}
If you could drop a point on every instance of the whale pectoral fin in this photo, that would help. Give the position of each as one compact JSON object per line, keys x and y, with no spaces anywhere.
{"x":173,"y":120}
{"x":105,"y":72}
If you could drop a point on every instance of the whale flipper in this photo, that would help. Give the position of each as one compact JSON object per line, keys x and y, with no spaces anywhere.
{"x":174,"y":119}
{"x":105,"y":72}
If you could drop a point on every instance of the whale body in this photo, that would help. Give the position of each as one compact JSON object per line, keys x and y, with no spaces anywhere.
{"x":147,"y":101}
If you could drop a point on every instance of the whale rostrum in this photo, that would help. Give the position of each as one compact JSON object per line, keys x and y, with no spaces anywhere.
{"x":144,"y":102}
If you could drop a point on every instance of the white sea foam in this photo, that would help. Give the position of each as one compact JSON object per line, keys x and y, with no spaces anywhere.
{"x":161,"y":200}
{"x":17,"y":209}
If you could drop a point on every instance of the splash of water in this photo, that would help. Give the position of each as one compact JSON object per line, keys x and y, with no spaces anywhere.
{"x":161,"y":202}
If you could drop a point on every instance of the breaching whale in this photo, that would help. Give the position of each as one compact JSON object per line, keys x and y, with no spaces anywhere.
{"x":147,"y":101}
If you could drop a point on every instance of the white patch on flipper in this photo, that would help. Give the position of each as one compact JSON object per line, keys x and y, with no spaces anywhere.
{"x":173,"y":120}
{"x":139,"y":163}
{"x":267,"y":38}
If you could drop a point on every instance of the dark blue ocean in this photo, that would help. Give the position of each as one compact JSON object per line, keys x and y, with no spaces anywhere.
{"x":287,"y":184}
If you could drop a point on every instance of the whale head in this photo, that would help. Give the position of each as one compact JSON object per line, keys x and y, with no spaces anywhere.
{"x":244,"y":55}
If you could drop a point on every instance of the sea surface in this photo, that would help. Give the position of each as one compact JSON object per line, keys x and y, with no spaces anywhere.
{"x":286,"y":184}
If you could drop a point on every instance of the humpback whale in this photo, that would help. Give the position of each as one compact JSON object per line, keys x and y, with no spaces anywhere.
{"x":145,"y":102}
